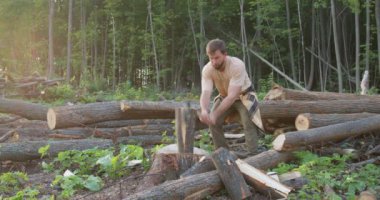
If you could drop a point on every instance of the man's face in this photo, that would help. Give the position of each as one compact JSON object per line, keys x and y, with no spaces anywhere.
{"x":217,"y":59}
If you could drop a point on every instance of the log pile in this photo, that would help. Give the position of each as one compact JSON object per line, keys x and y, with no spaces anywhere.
{"x":319,"y":119}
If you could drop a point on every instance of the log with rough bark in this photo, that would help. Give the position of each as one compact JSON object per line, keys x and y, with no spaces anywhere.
{"x":331,"y":133}
{"x":230,"y":175}
{"x":29,"y":150}
{"x":23,"y":151}
{"x":24,"y":123}
{"x":291,"y":109}
{"x":280,"y":93}
{"x":306,"y":121}
{"x":168,"y":106}
{"x":24,"y":109}
{"x":200,"y":185}
{"x":7,"y":135}
{"x":131,"y":122}
{"x":204,"y":164}
{"x":81,"y":115}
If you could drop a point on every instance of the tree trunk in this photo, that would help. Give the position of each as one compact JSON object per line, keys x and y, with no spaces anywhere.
{"x":290,"y":42}
{"x":291,"y":109}
{"x":377,"y":16}
{"x":309,"y":120}
{"x":201,"y":185}
{"x":332,"y":133}
{"x":367,"y":37}
{"x":154,"y":45}
{"x":357,"y":51}
{"x":230,"y":174}
{"x":83,"y":68}
{"x":69,"y":27}
{"x":128,"y":123}
{"x":51,"y":46}
{"x":336,"y":45}
{"x":24,"y":109}
{"x":113,"y":54}
{"x":168,"y":106}
{"x":80,"y":115}
{"x":29,"y":150}
{"x":280,"y":93}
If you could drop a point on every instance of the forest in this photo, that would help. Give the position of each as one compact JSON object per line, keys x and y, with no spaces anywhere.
{"x":318,"y":45}
{"x":99,"y":99}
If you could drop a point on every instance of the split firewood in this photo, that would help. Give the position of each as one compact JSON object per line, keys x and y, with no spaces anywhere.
{"x":200,"y":185}
{"x":81,"y":115}
{"x":331,"y":133}
{"x":281,"y":93}
{"x":24,"y":109}
{"x":306,"y":121}
{"x":230,"y":174}
{"x":262,"y":182}
{"x":293,"y":179}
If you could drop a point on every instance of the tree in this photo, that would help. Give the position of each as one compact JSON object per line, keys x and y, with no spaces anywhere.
{"x":336,"y":45}
{"x":69,"y":32}
{"x":51,"y":46}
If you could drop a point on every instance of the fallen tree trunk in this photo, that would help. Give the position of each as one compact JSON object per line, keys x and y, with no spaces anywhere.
{"x":291,"y":109}
{"x":336,"y":132}
{"x":201,"y":185}
{"x":310,"y":120}
{"x":81,"y":115}
{"x":24,"y":123}
{"x":168,"y":106}
{"x":280,"y":93}
{"x":28,"y":110}
{"x":23,"y":151}
{"x":131,"y":122}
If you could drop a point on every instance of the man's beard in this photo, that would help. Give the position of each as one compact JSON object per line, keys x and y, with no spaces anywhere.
{"x":220,"y":66}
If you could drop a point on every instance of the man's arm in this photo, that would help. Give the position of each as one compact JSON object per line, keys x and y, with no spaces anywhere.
{"x":233,"y":94}
{"x":207,"y":85}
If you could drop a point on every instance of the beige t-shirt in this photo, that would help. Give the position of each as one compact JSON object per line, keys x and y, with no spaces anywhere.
{"x":234,"y":74}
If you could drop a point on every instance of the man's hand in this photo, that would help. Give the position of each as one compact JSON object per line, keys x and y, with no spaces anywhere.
{"x":205,"y":117}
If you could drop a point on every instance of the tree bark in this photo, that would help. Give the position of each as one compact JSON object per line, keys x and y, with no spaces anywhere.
{"x":168,"y":106}
{"x":336,"y":45}
{"x":290,"y":42}
{"x":28,"y":110}
{"x":69,"y":28}
{"x":129,"y":123}
{"x":377,"y":16}
{"x":51,"y":46}
{"x":201,"y":185}
{"x":80,"y":115}
{"x":307,"y":121}
{"x":332,"y":133}
{"x":291,"y":109}
{"x":367,"y":37}
{"x":357,"y":50}
{"x":29,"y":150}
{"x":230,"y":175}
{"x":281,"y":93}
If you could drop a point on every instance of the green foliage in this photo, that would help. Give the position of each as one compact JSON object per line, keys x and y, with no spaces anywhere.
{"x":89,"y":166}
{"x":265,"y":85}
{"x":44,"y":150}
{"x":332,"y":171}
{"x":12,"y":181}
{"x":64,"y":91}
{"x":204,"y":142}
{"x":266,"y":141}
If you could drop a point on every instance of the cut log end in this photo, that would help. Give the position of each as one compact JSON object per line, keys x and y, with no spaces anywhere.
{"x":303,"y":122}
{"x":51,"y":119}
{"x":278,"y":143}
{"x":124,"y":106}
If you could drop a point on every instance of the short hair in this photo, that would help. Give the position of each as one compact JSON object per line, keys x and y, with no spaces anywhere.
{"x":216,"y":44}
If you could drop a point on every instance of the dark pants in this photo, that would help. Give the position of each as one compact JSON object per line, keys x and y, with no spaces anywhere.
{"x":250,"y":129}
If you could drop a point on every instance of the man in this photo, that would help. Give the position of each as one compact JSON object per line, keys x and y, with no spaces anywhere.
{"x":236,"y":94}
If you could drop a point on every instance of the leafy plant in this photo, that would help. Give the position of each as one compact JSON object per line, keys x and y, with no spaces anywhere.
{"x":44,"y":150}
{"x":204,"y":142}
